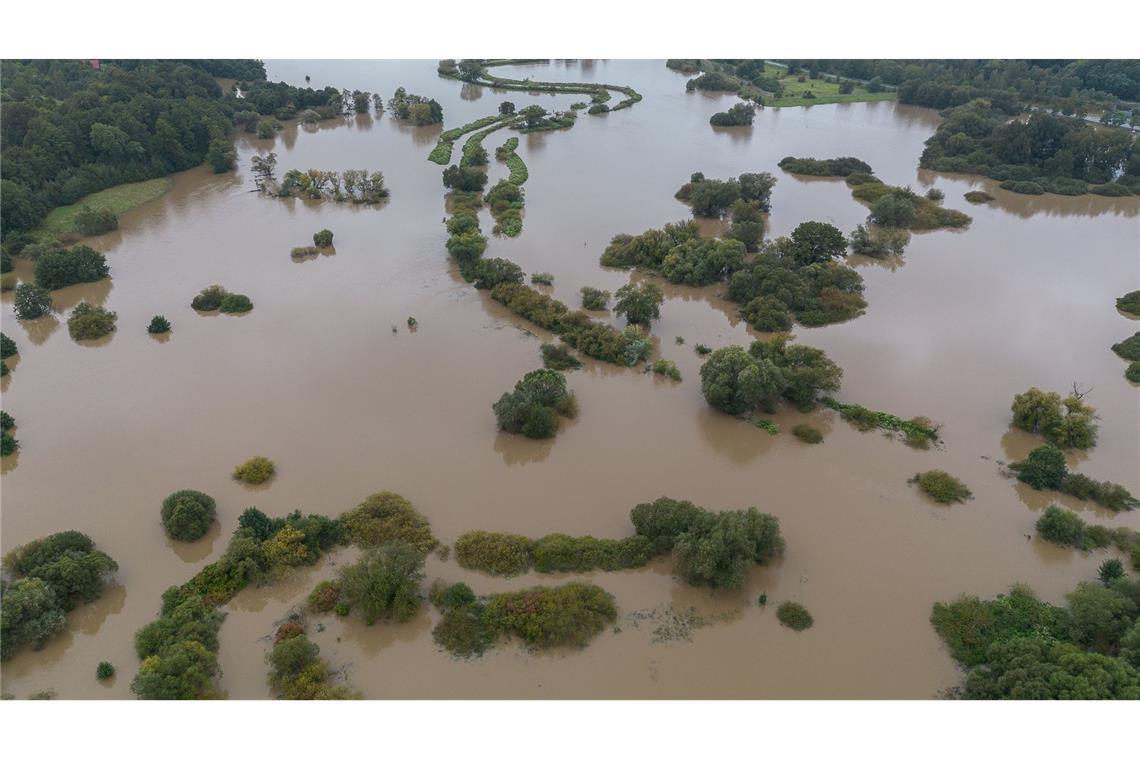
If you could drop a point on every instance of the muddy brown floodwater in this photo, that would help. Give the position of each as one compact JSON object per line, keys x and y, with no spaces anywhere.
{"x":315,"y":379}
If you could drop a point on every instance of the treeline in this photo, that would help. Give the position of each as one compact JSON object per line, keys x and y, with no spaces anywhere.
{"x":1065,"y":85}
{"x":1043,"y":153}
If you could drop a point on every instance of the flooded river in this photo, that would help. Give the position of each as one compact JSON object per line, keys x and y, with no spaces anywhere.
{"x":315,"y":379}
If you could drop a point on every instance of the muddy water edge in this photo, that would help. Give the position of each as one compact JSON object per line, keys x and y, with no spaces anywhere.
{"x":316,"y":379}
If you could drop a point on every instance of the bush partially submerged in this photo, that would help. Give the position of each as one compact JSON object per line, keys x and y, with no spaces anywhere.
{"x":794,"y":615}
{"x":941,"y":486}
{"x":89,"y":322}
{"x":187,"y":514}
{"x":807,"y":433}
{"x":384,"y":583}
{"x":1129,"y":348}
{"x":533,"y":407}
{"x":255,"y":471}
{"x":544,"y":617}
{"x":558,"y":357}
{"x":158,"y":325}
{"x":384,"y":517}
{"x":1066,"y":423}
{"x":504,"y":554}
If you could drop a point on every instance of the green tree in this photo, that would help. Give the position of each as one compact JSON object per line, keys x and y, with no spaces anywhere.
{"x":1099,"y":617}
{"x":639,"y":303}
{"x":221,"y":155}
{"x":734,"y":382}
{"x":1044,"y":468}
{"x":187,"y":514}
{"x":719,"y":548}
{"x":185,"y":670}
{"x":61,"y":267}
{"x":384,"y":583}
{"x":816,"y":242}
{"x":30,"y":613}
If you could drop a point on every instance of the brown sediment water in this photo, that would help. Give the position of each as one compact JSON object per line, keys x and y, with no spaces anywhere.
{"x":315,"y":379}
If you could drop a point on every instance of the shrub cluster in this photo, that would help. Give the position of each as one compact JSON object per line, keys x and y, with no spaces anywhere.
{"x":941,"y":486}
{"x":740,"y":115}
{"x":917,"y":431}
{"x":594,"y":299}
{"x":1018,"y":647}
{"x":825,"y":167}
{"x":807,"y":433}
{"x":30,"y":301}
{"x":255,"y":471}
{"x":8,"y":442}
{"x":738,"y":381}
{"x":666,"y":367}
{"x":506,"y":201}
{"x":776,"y":286}
{"x":89,"y":322}
{"x":323,"y":238}
{"x":536,"y":402}
{"x":383,"y":584}
{"x":794,"y":615}
{"x":179,"y":649}
{"x":297,"y":671}
{"x":597,"y":340}
{"x":1129,"y":348}
{"x":1045,"y":469}
{"x":59,"y":267}
{"x":879,"y":242}
{"x":95,"y":221}
{"x":385,"y":517}
{"x":159,"y":324}
{"x":52,"y":576}
{"x":217,"y":298}
{"x":901,"y":207}
{"x":558,"y":357}
{"x":187,"y":514}
{"x":494,"y":553}
{"x":978,"y":196}
{"x":417,"y":109}
{"x":1066,"y":423}
{"x":713,"y":197}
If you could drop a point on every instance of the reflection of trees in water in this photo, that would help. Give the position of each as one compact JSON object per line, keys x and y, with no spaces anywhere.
{"x":371,"y":639}
{"x":1016,"y":445}
{"x":39,"y":330}
{"x":426,"y":135}
{"x":1049,"y":204}
{"x":470,"y":91}
{"x":890,"y":263}
{"x":89,"y":618}
{"x":94,"y":293}
{"x":9,"y":463}
{"x":733,"y":438}
{"x":518,"y":449}
{"x":196,"y":551}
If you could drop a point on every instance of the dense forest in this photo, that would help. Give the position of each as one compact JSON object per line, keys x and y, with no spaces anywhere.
{"x":68,"y":129}
{"x":1065,"y":85}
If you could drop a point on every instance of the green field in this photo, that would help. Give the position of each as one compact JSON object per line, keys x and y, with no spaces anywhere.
{"x":824,"y":91}
{"x":118,"y":199}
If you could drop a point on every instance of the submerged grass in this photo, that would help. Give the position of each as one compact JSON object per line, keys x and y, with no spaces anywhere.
{"x":119,"y":199}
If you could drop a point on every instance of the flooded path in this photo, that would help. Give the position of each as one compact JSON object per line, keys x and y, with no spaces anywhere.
{"x":315,"y":379}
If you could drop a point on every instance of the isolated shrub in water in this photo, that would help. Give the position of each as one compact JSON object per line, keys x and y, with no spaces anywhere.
{"x":61,"y":267}
{"x":941,"y":486}
{"x":795,"y":616}
{"x":323,"y":239}
{"x":807,"y":433}
{"x":158,"y":325}
{"x":544,"y":617}
{"x":31,"y":301}
{"x":495,"y":553}
{"x":532,"y":408}
{"x":594,"y":299}
{"x":104,"y":670}
{"x":187,"y":514}
{"x":558,"y":357}
{"x":256,"y":470}
{"x":88,"y":322}
{"x":1129,"y":348}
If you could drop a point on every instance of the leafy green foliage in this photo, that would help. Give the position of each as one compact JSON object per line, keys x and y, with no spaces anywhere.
{"x":187,"y":514}
{"x":184,"y":670}
{"x":296,"y":671}
{"x":1067,"y":423}
{"x":662,"y":521}
{"x":491,"y":272}
{"x":385,"y":517}
{"x":544,"y":617}
{"x":504,"y":554}
{"x":1044,"y":468}
{"x":1129,"y":348}
{"x":807,"y":433}
{"x":53,"y":575}
{"x":941,"y":486}
{"x":666,"y":367}
{"x":89,"y":322}
{"x":720,"y":547}
{"x":31,"y":301}
{"x":384,"y":583}
{"x":814,"y":294}
{"x":558,"y":357}
{"x":209,"y":299}
{"x":901,"y":207}
{"x":8,"y":347}
{"x":104,"y":670}
{"x":465,"y":178}
{"x":95,"y":221}
{"x":158,"y":325}
{"x":828,"y":167}
{"x":1130,"y":303}
{"x":534,"y":405}
{"x":594,"y":299}
{"x":1061,"y":526}
{"x":324,"y":596}
{"x":560,"y":553}
{"x":735,"y":382}
{"x":60,"y":267}
{"x":794,"y":615}
{"x":740,"y":114}
{"x":235,"y":303}
{"x":918,"y":431}
{"x":255,"y":471}
{"x":323,"y":238}
{"x":712,"y":197}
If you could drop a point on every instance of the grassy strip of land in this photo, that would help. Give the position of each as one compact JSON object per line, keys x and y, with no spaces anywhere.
{"x":475,"y":141}
{"x":599,"y":92}
{"x":441,"y":153}
{"x":514,"y":162}
{"x":775,"y":87}
{"x":60,"y":222}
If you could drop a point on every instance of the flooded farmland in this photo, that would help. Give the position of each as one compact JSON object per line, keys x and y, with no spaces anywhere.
{"x":317,"y":379}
